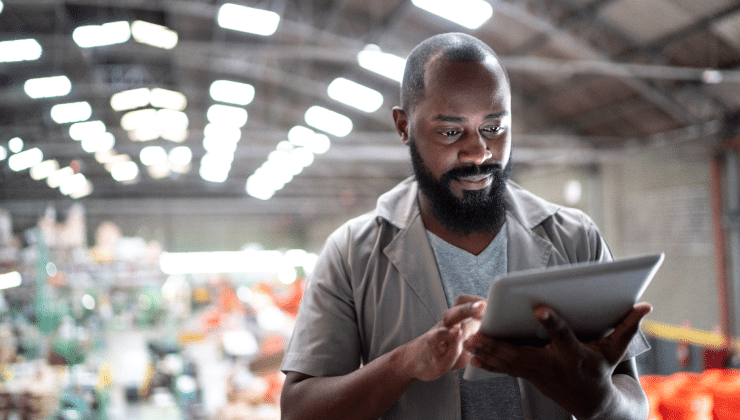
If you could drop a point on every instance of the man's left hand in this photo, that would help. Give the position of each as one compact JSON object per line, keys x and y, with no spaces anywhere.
{"x":576,"y":375}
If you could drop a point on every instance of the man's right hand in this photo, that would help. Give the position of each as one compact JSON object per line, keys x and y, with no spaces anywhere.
{"x":440,"y":349}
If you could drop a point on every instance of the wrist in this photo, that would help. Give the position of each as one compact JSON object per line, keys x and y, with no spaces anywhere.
{"x":402,"y":364}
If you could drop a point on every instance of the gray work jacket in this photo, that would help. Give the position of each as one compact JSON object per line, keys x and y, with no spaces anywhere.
{"x":376,"y":286}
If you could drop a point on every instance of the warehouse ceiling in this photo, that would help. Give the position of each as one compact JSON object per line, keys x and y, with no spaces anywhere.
{"x":589,"y":78}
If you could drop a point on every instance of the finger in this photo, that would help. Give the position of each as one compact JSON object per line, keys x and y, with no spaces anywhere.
{"x":620,"y":338}
{"x":465,"y":298}
{"x":463,"y":311}
{"x":561,"y":336}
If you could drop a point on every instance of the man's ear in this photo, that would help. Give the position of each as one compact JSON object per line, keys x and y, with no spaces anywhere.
{"x":401,"y":122}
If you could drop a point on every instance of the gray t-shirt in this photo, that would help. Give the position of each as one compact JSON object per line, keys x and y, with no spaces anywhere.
{"x":462,"y":272}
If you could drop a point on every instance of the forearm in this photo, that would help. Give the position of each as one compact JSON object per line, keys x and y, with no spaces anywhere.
{"x":363,"y":394}
{"x":627,"y":401}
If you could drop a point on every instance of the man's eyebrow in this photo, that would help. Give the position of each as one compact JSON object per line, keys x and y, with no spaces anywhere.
{"x":450,"y":118}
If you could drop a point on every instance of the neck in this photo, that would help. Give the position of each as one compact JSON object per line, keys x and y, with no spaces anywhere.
{"x":473,"y":243}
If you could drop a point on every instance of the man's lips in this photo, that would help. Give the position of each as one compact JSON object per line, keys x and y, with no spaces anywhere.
{"x":474,"y":182}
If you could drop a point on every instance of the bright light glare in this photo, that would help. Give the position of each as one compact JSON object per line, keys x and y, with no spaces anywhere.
{"x":47,"y":87}
{"x":134,"y":120}
{"x":100,"y":35}
{"x":124,"y":171}
{"x":130,"y":99}
{"x":3,"y":153}
{"x":8,"y":280}
{"x":181,"y":155}
{"x":55,"y":179}
{"x":98,"y":143}
{"x":218,"y":145}
{"x":25,"y":160}
{"x":468,"y":13}
{"x":355,"y":94}
{"x":227,"y":115}
{"x":72,"y":184}
{"x":329,"y":121}
{"x":170,"y":99}
{"x":232,"y":92}
{"x":153,"y":155}
{"x":15,"y":144}
{"x":1,"y":6}
{"x":44,"y":169}
{"x":249,"y":261}
{"x":247,"y":19}
{"x":169,"y":120}
{"x":83,"y":191}
{"x":305,"y":137}
{"x":215,"y":167}
{"x":385,"y":64}
{"x":88,"y":302}
{"x":19,"y":50}
{"x":227,"y":133}
{"x":155,"y":35}
{"x":71,"y":112}
{"x":82,"y":130}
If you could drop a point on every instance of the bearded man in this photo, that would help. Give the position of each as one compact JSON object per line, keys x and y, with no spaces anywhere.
{"x":390,"y":312}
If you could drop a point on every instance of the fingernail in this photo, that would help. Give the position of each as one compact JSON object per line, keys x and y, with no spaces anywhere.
{"x":478,"y":305}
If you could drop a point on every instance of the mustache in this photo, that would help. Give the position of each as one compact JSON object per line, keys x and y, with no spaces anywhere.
{"x":488,"y":169}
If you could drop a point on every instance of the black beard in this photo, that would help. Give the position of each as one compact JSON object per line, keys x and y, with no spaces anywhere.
{"x":476,"y":211}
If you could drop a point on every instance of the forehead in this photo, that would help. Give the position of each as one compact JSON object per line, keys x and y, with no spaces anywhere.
{"x":466,"y":85}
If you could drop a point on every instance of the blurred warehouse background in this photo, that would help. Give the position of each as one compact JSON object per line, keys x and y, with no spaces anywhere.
{"x":169,"y":170}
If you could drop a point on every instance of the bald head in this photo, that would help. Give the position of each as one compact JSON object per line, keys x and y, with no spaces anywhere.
{"x":449,"y":47}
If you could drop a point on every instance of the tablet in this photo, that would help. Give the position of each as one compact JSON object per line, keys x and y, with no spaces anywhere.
{"x":592,"y":298}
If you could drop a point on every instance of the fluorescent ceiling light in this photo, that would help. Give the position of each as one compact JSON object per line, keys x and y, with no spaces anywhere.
{"x":145,"y":133}
{"x":218,"y":145}
{"x":98,"y":143}
{"x":134,"y":120}
{"x":227,"y":115}
{"x":124,"y":171}
{"x":232,"y":92}
{"x":19,"y":50}
{"x":155,"y":35}
{"x":111,"y":160}
{"x":329,"y":121}
{"x":47,"y":87}
{"x":169,"y":120}
{"x":104,"y":156}
{"x":177,"y":136}
{"x":44,"y":169}
{"x":3,"y":153}
{"x":100,"y":35}
{"x":79,"y":131}
{"x":215,"y":167}
{"x":71,"y":112}
{"x":355,"y":94}
{"x":153,"y":155}
{"x":305,"y":137}
{"x":385,"y":64}
{"x":130,"y":99}
{"x":228,"y":133}
{"x":247,"y":19}
{"x":163,"y":98}
{"x":72,"y":184}
{"x":1,"y":6}
{"x":55,"y":178}
{"x":181,"y":155}
{"x":8,"y":280}
{"x":468,"y":13}
{"x":85,"y":190}
{"x":15,"y":144}
{"x":25,"y":160}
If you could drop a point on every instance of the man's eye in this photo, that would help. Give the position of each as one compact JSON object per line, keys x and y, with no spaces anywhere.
{"x":451,"y":133}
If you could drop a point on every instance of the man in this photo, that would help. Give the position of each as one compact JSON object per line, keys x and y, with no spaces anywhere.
{"x":390,"y":311}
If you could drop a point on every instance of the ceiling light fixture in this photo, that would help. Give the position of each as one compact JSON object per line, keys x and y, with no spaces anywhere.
{"x":232,"y":92}
{"x":44,"y":169}
{"x":79,"y":131}
{"x":124,"y":171}
{"x":19,"y":50}
{"x":3,"y":153}
{"x":100,"y":35}
{"x":47,"y":87}
{"x":10,"y":280}
{"x":15,"y":144}
{"x":355,"y":95}
{"x":305,"y":137}
{"x":329,"y":121}
{"x":181,"y":155}
{"x":55,"y":178}
{"x":134,"y":120}
{"x":24,"y":160}
{"x":130,"y":99}
{"x":72,"y":184}
{"x":1,"y":6}
{"x":71,"y":112}
{"x":153,"y":155}
{"x":385,"y":64}
{"x":170,"y":99}
{"x":155,"y":35}
{"x":468,"y":13}
{"x":227,"y":115}
{"x":248,"y":19}
{"x":98,"y":143}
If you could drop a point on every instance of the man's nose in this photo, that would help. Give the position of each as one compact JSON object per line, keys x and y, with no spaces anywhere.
{"x":475,"y":150}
